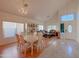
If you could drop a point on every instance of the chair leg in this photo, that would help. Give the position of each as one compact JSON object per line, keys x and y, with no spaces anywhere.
{"x":38,"y":49}
{"x":25,"y":51}
{"x":18,"y":47}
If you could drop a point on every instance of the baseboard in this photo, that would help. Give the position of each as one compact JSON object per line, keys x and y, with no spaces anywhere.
{"x":7,"y":44}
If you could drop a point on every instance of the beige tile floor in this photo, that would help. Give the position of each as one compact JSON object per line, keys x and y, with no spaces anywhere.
{"x":9,"y":51}
{"x":56,"y":49}
{"x":61,"y":49}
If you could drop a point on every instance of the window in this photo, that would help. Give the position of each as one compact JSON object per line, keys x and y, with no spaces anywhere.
{"x":69,"y":28}
{"x":40,"y":27}
{"x":49,"y":28}
{"x":19,"y":27}
{"x":69,"y":17}
{"x":25,"y":26}
{"x":11,"y":28}
{"x":52,"y":27}
{"x":77,"y":16}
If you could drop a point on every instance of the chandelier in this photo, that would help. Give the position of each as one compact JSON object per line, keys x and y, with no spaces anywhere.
{"x":23,"y":9}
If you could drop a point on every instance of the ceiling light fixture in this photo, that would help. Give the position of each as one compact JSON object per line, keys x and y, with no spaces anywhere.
{"x":24,"y":9}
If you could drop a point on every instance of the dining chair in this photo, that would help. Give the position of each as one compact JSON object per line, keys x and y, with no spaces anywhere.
{"x":18,"y":41}
{"x":40,"y":44}
{"x":41,"y":40}
{"x":23,"y":45}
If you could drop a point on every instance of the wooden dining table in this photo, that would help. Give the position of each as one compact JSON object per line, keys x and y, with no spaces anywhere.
{"x":31,"y":39}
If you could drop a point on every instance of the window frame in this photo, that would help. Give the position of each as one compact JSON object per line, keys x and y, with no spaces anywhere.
{"x":4,"y":35}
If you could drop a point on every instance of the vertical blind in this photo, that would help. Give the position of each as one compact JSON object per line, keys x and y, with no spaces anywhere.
{"x":11,"y":28}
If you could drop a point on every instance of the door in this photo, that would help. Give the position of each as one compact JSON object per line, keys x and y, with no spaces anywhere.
{"x":70,"y":30}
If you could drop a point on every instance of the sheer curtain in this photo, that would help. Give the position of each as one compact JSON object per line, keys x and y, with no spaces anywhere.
{"x":11,"y":28}
{"x":19,"y":28}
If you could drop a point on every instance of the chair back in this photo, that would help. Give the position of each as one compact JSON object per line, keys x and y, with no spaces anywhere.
{"x":18,"y":38}
{"x":22,"y":41}
{"x":40,"y":35}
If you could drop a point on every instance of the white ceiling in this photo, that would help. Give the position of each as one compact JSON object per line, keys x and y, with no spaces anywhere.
{"x":37,"y":9}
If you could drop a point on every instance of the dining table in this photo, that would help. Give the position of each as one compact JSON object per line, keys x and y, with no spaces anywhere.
{"x":31,"y":39}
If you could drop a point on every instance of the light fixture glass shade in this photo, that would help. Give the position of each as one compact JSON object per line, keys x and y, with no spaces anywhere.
{"x":23,"y":10}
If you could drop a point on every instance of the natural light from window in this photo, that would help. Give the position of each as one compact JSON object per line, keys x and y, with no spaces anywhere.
{"x":19,"y":27}
{"x":69,"y":17}
{"x":70,"y":28}
{"x":40,"y":27}
{"x":51,"y":27}
{"x":11,"y":28}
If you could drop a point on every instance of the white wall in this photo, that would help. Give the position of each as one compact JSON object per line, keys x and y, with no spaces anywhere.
{"x":13,"y":18}
{"x":77,"y":21}
{"x":71,"y":8}
{"x":54,"y":21}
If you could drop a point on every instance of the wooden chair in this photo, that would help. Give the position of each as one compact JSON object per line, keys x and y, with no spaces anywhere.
{"x":22,"y":44}
{"x":39,"y":44}
{"x":18,"y":41}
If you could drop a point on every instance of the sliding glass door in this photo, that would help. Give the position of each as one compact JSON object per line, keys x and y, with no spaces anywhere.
{"x":11,"y":28}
